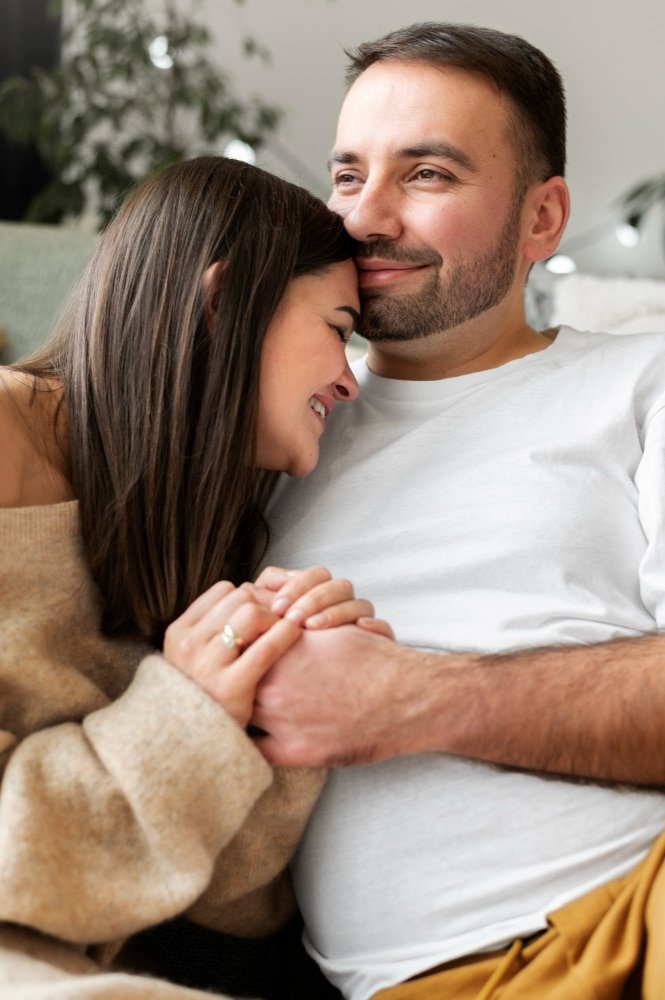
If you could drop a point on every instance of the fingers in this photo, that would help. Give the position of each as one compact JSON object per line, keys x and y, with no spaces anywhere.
{"x":184,"y":635}
{"x":321,"y":599}
{"x":194,"y":641}
{"x":274,"y":577}
{"x":207,"y":600}
{"x":263,"y":595}
{"x":297,"y":585}
{"x":313,"y":599}
{"x":269,"y":747}
{"x":344,"y":613}
{"x":234,"y":686}
{"x":255,"y":661}
{"x":248,"y":621}
{"x":225,"y":642}
{"x":376,"y":625}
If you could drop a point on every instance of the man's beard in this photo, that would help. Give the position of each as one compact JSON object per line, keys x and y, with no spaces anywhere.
{"x":471,"y":288}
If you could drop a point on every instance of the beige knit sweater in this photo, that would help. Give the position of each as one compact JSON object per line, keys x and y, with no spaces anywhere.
{"x":127,"y":794}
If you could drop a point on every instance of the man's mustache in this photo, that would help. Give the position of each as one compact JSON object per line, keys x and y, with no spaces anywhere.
{"x":386,"y":250}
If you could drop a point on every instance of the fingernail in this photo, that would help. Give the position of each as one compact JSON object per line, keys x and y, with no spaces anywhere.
{"x":315,"y":621}
{"x":280,"y":604}
{"x":295,"y":614}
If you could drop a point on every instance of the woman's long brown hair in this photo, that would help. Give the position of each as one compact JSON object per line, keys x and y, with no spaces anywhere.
{"x":160,"y":407}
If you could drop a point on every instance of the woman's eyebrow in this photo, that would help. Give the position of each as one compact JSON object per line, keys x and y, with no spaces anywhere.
{"x":355,"y":316}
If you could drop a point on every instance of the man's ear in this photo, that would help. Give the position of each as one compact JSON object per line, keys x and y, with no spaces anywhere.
{"x":212,"y":281}
{"x":545,"y":214}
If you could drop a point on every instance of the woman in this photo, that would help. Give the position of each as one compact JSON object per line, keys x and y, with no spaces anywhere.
{"x":200,"y":354}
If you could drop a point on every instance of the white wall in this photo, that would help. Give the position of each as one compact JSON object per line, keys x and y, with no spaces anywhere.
{"x":610,"y":55}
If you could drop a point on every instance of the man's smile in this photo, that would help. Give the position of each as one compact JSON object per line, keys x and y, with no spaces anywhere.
{"x":373,"y":272}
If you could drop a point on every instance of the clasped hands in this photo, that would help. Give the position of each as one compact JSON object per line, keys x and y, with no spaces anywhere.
{"x":230,"y":637}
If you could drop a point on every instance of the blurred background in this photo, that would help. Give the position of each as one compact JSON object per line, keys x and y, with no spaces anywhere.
{"x":96,"y":93}
{"x":610,"y":56}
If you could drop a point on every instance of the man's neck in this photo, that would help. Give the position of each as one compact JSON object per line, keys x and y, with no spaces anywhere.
{"x":470,"y":348}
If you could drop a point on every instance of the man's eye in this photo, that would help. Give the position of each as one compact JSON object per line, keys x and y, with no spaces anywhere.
{"x":430,"y":174}
{"x":344,"y":179}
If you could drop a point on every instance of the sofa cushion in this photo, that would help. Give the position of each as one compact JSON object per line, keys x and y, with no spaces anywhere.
{"x":609,"y":304}
{"x":38,"y":267}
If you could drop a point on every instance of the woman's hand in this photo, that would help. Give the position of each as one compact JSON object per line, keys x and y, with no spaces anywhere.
{"x":225,"y":642}
{"x":229,"y":638}
{"x":313,"y":599}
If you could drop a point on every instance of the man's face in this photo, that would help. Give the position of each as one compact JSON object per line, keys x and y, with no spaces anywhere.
{"x":424,"y":173}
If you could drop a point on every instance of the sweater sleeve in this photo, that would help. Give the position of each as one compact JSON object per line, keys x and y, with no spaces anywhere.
{"x":113,"y":823}
{"x":250,"y":892}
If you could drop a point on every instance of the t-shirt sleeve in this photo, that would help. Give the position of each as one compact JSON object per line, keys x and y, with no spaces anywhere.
{"x":650,"y":482}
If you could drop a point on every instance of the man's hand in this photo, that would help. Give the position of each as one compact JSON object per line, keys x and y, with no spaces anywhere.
{"x":347,"y":696}
{"x":339,"y":696}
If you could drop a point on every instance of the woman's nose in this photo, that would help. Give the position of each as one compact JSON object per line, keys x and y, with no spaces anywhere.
{"x":345,"y":388}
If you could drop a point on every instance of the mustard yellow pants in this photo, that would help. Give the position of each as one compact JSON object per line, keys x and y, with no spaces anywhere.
{"x":607,"y":945}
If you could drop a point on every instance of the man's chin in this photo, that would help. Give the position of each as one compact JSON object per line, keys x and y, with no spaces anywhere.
{"x":379,"y":322}
{"x":377,"y":317}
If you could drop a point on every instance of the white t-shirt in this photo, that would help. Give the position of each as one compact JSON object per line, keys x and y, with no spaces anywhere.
{"x":521,"y":506}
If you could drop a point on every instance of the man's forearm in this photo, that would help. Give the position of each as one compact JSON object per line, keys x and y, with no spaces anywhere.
{"x":593,"y":712}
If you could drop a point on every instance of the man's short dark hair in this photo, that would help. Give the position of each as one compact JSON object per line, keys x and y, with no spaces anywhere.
{"x":518,"y":69}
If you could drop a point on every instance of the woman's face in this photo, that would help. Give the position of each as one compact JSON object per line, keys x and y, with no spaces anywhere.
{"x":304,"y":371}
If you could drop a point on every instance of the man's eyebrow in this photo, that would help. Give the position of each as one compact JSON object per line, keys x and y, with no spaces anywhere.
{"x":444,"y":150}
{"x":341,"y":158}
{"x":355,"y":316}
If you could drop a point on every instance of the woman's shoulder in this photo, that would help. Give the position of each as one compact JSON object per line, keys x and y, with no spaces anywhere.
{"x":11,"y":440}
{"x":27,"y":476}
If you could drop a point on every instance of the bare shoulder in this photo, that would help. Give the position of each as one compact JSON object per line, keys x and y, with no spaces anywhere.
{"x":27,"y":476}
{"x":11,"y":440}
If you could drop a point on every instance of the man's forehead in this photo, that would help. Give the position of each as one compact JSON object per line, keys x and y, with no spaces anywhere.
{"x":390,"y":107}
{"x":395,"y":74}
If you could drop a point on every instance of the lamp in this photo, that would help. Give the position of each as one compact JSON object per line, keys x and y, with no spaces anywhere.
{"x":236,"y":149}
{"x":628,"y":230}
{"x":560,"y":263}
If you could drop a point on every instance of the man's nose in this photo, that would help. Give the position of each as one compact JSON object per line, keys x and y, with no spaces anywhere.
{"x":373,"y":214}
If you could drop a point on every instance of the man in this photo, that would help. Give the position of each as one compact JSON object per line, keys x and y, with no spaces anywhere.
{"x":499,"y":493}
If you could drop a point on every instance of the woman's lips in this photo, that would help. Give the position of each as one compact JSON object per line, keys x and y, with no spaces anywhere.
{"x":321,"y":406}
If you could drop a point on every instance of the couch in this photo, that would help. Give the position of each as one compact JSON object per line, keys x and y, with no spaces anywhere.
{"x":588,"y":302}
{"x":38,"y":267}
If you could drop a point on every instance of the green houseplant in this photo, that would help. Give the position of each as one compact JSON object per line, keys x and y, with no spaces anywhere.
{"x":134,"y":91}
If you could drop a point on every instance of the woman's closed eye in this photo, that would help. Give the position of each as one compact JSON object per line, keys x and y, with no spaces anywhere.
{"x":344,"y":333}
